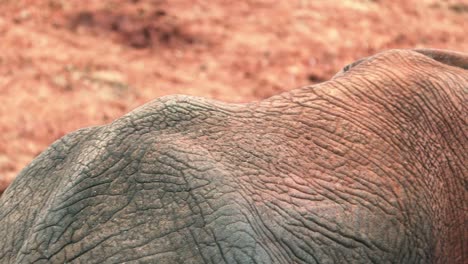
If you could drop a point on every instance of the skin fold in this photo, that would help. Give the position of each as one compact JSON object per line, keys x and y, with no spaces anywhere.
{"x":368,"y":167}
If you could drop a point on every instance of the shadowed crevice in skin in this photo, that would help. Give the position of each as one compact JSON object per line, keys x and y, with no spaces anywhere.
{"x":348,"y":67}
{"x":452,"y":58}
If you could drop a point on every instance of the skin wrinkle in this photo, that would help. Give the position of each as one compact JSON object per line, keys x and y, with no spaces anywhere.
{"x":432,"y":90}
{"x":320,"y":225}
{"x":55,"y":144}
{"x":386,"y":102}
{"x":216,"y":240}
{"x":65,"y":205}
{"x":261,"y":231}
{"x":383,"y":105}
{"x":143,"y":243}
{"x":91,"y":246}
{"x":198,"y":245}
{"x":272,"y":237}
{"x":452,"y":150}
{"x":279,"y":208}
{"x":265,"y":227}
{"x":309,"y":243}
{"x":220,"y":249}
{"x":452,"y":98}
{"x":83,"y":251}
{"x":288,"y":248}
{"x":21,"y":183}
{"x":65,"y":229}
{"x":200,"y":210}
{"x":449,"y":126}
{"x":193,"y":222}
{"x":324,"y":235}
{"x":123,"y":231}
{"x":453,"y":108}
{"x":440,"y":118}
{"x":355,"y":121}
{"x":345,"y":198}
{"x":361,"y":199}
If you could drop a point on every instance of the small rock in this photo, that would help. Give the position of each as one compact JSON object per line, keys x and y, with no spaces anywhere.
{"x":108,"y":76}
{"x":22,"y":16}
{"x":62,"y":82}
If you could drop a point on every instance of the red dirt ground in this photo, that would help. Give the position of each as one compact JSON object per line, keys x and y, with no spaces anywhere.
{"x":76,"y":63}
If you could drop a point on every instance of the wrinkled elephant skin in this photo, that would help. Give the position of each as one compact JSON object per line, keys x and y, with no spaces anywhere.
{"x":369,"y":167}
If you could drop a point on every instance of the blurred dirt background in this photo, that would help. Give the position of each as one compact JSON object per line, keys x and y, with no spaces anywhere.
{"x":66,"y":64}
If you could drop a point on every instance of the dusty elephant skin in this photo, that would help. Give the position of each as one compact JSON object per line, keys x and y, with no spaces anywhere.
{"x":369,"y":167}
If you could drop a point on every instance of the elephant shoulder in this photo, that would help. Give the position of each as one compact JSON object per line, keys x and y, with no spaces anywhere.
{"x":48,"y":160}
{"x":156,"y":146}
{"x":151,"y":157}
{"x":173,"y":112}
{"x":31,"y":190}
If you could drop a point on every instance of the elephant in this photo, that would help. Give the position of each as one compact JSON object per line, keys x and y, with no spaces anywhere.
{"x":367,"y":167}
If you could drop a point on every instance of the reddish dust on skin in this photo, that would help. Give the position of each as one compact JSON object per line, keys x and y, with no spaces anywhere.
{"x":71,"y":64}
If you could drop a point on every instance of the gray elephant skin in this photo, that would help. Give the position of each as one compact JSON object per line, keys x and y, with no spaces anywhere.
{"x":368,"y":167}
